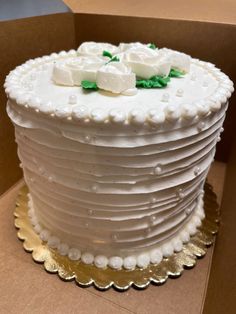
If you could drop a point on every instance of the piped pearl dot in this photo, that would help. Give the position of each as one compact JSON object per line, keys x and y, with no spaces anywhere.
{"x":74,"y":254}
{"x":179,"y":92}
{"x":115,"y":262}
{"x":177,"y":244}
{"x":44,"y":235}
{"x":87,"y":258}
{"x":167,"y":250}
{"x":53,"y":242}
{"x":156,"y":256}
{"x":221,"y":129}
{"x":143,"y":260}
{"x":72,"y":99}
{"x":101,"y":261}
{"x":63,"y":249}
{"x":165,"y":97}
{"x":129,"y":262}
{"x":218,"y":139}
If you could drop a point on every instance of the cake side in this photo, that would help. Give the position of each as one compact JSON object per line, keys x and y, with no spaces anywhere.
{"x":111,"y":176}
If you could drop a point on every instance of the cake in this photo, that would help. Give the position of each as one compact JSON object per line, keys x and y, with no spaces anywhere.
{"x":115,"y":143}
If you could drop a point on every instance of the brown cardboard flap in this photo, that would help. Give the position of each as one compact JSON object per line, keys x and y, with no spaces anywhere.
{"x":220,"y":11}
{"x":22,"y":40}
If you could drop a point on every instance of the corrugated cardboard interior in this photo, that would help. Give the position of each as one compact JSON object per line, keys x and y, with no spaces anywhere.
{"x":32,"y":37}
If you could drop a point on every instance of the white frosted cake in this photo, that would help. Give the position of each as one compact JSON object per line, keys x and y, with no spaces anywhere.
{"x":115,"y":144}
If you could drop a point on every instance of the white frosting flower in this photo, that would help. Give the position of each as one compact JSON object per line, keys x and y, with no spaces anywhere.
{"x":178,"y":60}
{"x":126,"y":46}
{"x":115,"y":77}
{"x":146,"y":62}
{"x":91,"y":48}
{"x":73,"y":72}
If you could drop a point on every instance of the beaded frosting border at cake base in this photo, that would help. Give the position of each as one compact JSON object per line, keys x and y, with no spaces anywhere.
{"x":103,"y":279}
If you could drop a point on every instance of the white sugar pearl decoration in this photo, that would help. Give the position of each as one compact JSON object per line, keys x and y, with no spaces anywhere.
{"x":167,"y":249}
{"x":221,"y":129}
{"x":87,"y":258}
{"x":188,"y":210}
{"x":50,"y":179}
{"x":137,"y":116}
{"x":129,"y":262}
{"x":179,"y":92}
{"x":201,"y":125}
{"x":94,"y":188}
{"x":117,"y":116}
{"x":90,"y":212}
{"x":101,"y":261}
{"x":87,"y":138}
{"x":156,"y":256}
{"x":115,"y":262}
{"x":80,"y":113}
{"x":158,"y":169}
{"x":152,"y":219}
{"x":44,"y":235}
{"x":72,"y":99}
{"x":143,"y":260}
{"x":63,"y":249}
{"x":74,"y":254}
{"x":53,"y":242}
{"x":165,"y":97}
{"x":200,"y":213}
{"x":98,"y":115}
{"x":153,"y":200}
{"x":197,"y":170}
{"x":202,"y":108}
{"x":218,"y":139}
{"x":180,"y":193}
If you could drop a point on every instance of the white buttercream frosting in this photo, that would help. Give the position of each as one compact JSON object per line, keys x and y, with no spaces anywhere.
{"x":115,"y":180}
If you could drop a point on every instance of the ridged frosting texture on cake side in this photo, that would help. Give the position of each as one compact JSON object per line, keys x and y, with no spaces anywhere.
{"x":110,"y":178}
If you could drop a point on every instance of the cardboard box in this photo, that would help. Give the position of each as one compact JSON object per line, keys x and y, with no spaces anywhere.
{"x":25,"y":287}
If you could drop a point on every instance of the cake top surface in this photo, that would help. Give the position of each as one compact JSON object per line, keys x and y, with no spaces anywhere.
{"x":129,"y":83}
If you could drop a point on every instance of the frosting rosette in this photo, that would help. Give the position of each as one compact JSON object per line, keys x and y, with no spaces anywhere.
{"x":116,"y":77}
{"x":146,"y":62}
{"x":178,"y":60}
{"x":75,"y":71}
{"x":91,"y":48}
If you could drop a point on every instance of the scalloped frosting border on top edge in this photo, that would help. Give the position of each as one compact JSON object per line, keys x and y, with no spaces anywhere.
{"x":212,"y":103}
{"x":142,"y":260}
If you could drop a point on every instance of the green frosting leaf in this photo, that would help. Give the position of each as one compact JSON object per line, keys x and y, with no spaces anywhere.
{"x":175,"y":73}
{"x":89,"y":85}
{"x":107,"y":54}
{"x":152,"y":46}
{"x":154,"y":82}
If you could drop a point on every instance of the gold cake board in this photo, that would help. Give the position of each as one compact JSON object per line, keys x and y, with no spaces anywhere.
{"x":103,"y":279}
